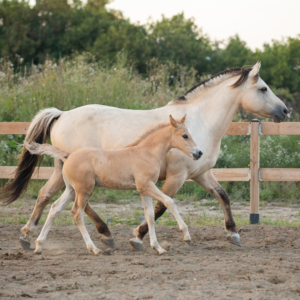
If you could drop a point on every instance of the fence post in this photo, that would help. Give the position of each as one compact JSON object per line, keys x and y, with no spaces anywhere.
{"x":254,"y":167}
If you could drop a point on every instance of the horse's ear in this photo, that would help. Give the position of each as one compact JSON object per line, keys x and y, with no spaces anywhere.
{"x":183,"y":119}
{"x":255,"y":69}
{"x":172,"y":122}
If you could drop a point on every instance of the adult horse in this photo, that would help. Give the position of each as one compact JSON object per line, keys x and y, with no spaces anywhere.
{"x":211,"y":106}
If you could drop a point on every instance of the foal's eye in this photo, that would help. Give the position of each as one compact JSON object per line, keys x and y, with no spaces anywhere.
{"x":264,"y":89}
{"x":185,"y":136}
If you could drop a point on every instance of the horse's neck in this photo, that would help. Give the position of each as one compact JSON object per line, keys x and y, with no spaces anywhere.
{"x":214,"y":109}
{"x":158,"y":142}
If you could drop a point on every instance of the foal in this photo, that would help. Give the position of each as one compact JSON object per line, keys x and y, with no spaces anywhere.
{"x":136,"y":166}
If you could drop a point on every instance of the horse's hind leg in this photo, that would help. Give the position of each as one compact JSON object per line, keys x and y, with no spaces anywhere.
{"x":46,"y":193}
{"x":107,"y":238}
{"x":80,"y":203}
{"x":56,"y":208}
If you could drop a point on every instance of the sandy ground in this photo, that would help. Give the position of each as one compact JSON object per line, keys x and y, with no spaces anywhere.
{"x":266,"y":267}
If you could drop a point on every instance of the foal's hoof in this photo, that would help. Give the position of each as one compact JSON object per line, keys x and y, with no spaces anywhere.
{"x":38,"y":251}
{"x":188,"y":242}
{"x":136,"y":244}
{"x":96,"y":251}
{"x":24,"y":243}
{"x":160,"y":250}
{"x":108,"y":241}
{"x":234,"y":238}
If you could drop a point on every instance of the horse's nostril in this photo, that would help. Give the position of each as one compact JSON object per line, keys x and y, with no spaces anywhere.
{"x":285,"y":111}
{"x":200,"y":153}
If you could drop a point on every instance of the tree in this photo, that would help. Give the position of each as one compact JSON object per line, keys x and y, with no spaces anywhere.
{"x":179,"y":40}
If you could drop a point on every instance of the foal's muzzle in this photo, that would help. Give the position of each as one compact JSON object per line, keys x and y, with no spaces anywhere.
{"x":197,"y":154}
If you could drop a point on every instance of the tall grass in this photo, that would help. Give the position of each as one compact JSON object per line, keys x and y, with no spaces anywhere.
{"x":80,"y":80}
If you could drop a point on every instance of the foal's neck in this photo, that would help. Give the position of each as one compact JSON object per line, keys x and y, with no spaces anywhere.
{"x":158,"y":142}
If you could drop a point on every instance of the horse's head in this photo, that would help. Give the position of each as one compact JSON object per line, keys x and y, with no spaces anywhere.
{"x":258,"y":98}
{"x":182,"y":139}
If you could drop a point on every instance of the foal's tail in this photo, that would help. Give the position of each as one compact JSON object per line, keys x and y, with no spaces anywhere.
{"x":41,"y":149}
{"x":38,"y":131}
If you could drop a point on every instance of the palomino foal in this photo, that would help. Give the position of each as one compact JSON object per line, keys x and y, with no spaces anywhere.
{"x":136,"y":166}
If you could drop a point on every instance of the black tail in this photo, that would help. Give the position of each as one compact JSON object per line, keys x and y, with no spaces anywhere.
{"x":39,"y":132}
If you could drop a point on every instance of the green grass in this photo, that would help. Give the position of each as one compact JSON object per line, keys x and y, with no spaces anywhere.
{"x":167,"y":219}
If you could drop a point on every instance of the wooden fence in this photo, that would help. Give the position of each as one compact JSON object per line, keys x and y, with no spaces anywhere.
{"x":254,"y":174}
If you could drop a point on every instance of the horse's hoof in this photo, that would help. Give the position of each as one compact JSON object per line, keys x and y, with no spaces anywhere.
{"x":24,"y":243}
{"x":38,"y":251}
{"x":136,"y":244}
{"x":234,"y":238}
{"x":188,"y":242}
{"x":108,"y":242}
{"x":160,"y":250}
{"x":96,"y":251}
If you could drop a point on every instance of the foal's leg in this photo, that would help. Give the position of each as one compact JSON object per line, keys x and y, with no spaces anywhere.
{"x":209,"y":182}
{"x":56,"y":208}
{"x":46,"y":193}
{"x":149,"y":214}
{"x":152,"y":191}
{"x":169,"y":188}
{"x":78,"y":211}
{"x":107,"y":238}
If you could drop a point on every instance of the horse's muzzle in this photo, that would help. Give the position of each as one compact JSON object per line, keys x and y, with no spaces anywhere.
{"x":197,"y":154}
{"x":280,"y":113}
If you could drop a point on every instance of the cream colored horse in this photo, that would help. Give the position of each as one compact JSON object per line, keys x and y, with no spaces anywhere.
{"x":135,"y":167}
{"x":211,"y":106}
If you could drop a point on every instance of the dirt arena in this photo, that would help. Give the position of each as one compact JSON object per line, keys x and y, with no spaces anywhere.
{"x":266,"y":267}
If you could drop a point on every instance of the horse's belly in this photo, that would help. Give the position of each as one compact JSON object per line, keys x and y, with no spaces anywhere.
{"x":115,"y":183}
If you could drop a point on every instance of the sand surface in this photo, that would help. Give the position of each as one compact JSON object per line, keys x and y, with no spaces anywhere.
{"x":266,"y":267}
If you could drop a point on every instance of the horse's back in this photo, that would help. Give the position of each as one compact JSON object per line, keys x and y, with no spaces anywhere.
{"x":100,"y":126}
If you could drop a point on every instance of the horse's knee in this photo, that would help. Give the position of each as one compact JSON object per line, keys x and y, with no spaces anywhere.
{"x":54,"y":209}
{"x":43,"y":197}
{"x":76,"y":212}
{"x":141,"y":189}
{"x":222,"y":194}
{"x":73,"y":212}
{"x":169,"y":203}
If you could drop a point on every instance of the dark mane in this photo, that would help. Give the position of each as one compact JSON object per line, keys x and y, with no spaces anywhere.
{"x":147,"y":133}
{"x":242,"y":72}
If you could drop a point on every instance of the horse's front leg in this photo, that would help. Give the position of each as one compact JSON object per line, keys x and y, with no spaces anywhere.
{"x":46,"y":193}
{"x":170,"y":188}
{"x":149,"y":214}
{"x":151,"y":190}
{"x":209,"y":182}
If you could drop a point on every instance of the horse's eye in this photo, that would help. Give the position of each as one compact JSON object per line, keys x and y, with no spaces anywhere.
{"x":185,"y":136}
{"x":264,"y":89}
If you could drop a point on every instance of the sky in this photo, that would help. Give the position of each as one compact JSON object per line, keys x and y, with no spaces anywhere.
{"x":255,"y":21}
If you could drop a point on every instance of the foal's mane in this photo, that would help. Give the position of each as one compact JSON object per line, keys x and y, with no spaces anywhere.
{"x":147,"y":133}
{"x":216,"y":79}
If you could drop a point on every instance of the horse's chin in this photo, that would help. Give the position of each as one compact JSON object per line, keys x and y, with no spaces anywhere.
{"x":277,"y":119}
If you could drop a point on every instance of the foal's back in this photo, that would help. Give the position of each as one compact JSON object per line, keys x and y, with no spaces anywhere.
{"x":117,"y":169}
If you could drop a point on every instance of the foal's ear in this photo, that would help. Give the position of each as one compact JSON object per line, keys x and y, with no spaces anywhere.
{"x":255,"y":69}
{"x":182,"y":121}
{"x":172,"y":122}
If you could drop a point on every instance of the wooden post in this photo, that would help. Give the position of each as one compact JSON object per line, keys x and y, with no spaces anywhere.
{"x":254,"y":167}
